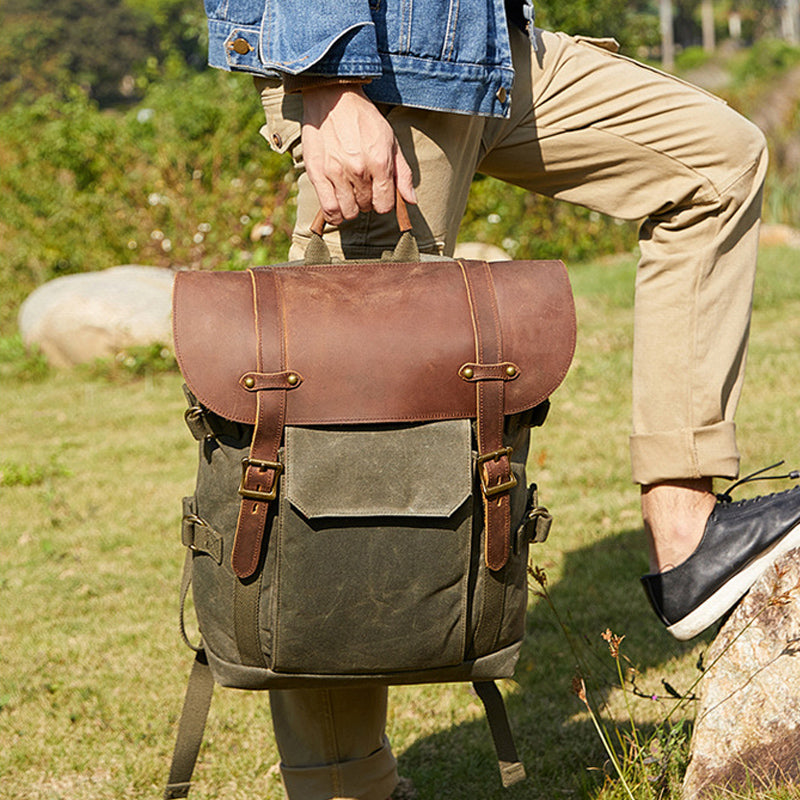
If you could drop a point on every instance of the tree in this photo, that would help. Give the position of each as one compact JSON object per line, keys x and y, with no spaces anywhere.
{"x":48,"y":45}
{"x":634,"y":23}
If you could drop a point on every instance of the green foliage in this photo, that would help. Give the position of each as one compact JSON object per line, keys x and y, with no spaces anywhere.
{"x":132,"y":363}
{"x":181,"y":180}
{"x":181,"y":26}
{"x":634,"y":23}
{"x":765,"y":60}
{"x":527,"y":225}
{"x":691,"y":58}
{"x":49,"y":44}
{"x":18,"y":362}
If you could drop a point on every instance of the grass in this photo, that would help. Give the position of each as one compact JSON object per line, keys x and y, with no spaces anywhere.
{"x":92,"y":669}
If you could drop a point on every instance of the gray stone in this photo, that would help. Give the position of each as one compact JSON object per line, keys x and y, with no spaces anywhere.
{"x":77,"y":318}
{"x":779,"y":235}
{"x":747,"y":730}
{"x":480,"y":252}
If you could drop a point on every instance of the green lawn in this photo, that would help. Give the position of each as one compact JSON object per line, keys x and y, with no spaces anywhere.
{"x":92,"y":669}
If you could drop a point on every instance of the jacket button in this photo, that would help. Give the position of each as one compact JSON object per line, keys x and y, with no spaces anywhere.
{"x":276,"y":140}
{"x":241,"y":46}
{"x":502,"y":94}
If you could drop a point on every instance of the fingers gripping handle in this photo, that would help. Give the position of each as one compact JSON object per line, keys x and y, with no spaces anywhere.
{"x":317,"y":251}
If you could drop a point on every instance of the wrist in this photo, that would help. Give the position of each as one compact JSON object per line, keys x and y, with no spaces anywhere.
{"x":309,"y":83}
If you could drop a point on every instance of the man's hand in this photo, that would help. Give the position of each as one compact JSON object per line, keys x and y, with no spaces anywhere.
{"x":350,"y":153}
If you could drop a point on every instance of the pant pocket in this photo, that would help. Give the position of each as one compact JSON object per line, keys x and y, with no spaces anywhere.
{"x":283,"y":113}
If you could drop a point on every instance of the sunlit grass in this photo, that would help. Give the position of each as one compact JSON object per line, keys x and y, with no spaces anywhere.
{"x":92,"y":670}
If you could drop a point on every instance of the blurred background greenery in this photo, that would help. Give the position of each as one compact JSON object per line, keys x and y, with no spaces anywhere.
{"x":118,"y":145}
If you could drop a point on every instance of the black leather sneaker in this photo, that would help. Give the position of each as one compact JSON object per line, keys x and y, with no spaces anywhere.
{"x":741,"y":540}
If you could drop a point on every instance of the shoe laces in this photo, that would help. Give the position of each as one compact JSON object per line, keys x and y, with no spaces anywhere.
{"x":758,"y":475}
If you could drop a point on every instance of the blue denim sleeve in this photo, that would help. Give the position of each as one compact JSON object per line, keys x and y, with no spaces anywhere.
{"x":323,"y":37}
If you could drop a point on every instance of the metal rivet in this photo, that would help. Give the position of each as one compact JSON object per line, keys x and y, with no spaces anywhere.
{"x":292,"y":380}
{"x":468,"y":372}
{"x":249,"y":381}
{"x":502,"y":94}
{"x":241,"y":46}
{"x":277,"y":140}
{"x":511,"y":371}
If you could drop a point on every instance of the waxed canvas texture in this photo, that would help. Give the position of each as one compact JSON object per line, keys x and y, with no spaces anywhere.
{"x":391,"y":598}
{"x":366,"y":472}
{"x":348,"y":418}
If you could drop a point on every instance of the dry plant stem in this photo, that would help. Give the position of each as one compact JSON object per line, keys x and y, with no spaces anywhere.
{"x":629,"y":711}
{"x":614,"y":642}
{"x":540,"y":576}
{"x":602,"y":734}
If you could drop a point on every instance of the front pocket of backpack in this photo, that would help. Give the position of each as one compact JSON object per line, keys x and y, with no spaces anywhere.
{"x":373,"y":549}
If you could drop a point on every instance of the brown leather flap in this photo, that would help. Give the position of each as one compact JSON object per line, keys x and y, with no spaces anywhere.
{"x":371,"y":342}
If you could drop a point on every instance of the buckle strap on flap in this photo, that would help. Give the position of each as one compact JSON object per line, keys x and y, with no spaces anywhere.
{"x":261,"y":471}
{"x":258,"y":474}
{"x":494,"y":462}
{"x":504,"y":480}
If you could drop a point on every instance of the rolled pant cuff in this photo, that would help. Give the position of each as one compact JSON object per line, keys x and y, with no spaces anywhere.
{"x":370,"y":778}
{"x":673,"y":455}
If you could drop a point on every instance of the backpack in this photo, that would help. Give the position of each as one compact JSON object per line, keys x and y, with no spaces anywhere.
{"x":363,"y":431}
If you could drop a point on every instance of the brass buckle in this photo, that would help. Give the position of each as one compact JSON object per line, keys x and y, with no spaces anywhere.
{"x":254,"y":494}
{"x":192,"y":520}
{"x":498,"y":488}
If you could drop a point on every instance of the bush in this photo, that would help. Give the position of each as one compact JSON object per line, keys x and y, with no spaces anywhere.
{"x":528,"y":225}
{"x":180,"y":180}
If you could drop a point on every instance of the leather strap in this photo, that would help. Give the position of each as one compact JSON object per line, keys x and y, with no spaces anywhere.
{"x":494,"y":460}
{"x":262,"y":469}
{"x":190,"y":728}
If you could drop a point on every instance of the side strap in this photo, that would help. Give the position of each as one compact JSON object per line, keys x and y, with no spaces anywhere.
{"x":190,"y":728}
{"x":512,"y":769}
{"x":186,"y":582}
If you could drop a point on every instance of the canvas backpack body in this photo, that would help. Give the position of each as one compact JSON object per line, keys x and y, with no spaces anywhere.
{"x":362,"y":512}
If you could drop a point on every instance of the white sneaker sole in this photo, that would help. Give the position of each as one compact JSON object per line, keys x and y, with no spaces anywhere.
{"x":708,"y":612}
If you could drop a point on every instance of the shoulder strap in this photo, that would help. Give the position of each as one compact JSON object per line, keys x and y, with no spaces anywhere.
{"x":190,"y":728}
{"x":512,"y":770}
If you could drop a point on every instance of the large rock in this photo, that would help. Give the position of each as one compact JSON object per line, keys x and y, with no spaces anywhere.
{"x":480,"y":251}
{"x":747,"y":730}
{"x":780,"y":235}
{"x":77,"y":318}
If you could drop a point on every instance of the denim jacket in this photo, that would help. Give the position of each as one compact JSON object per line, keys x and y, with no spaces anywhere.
{"x":446,"y":55}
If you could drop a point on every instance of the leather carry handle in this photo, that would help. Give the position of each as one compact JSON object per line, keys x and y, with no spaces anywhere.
{"x":403,"y":220}
{"x":317,"y":251}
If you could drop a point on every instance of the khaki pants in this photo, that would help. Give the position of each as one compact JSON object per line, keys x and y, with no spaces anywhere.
{"x":591,"y":127}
